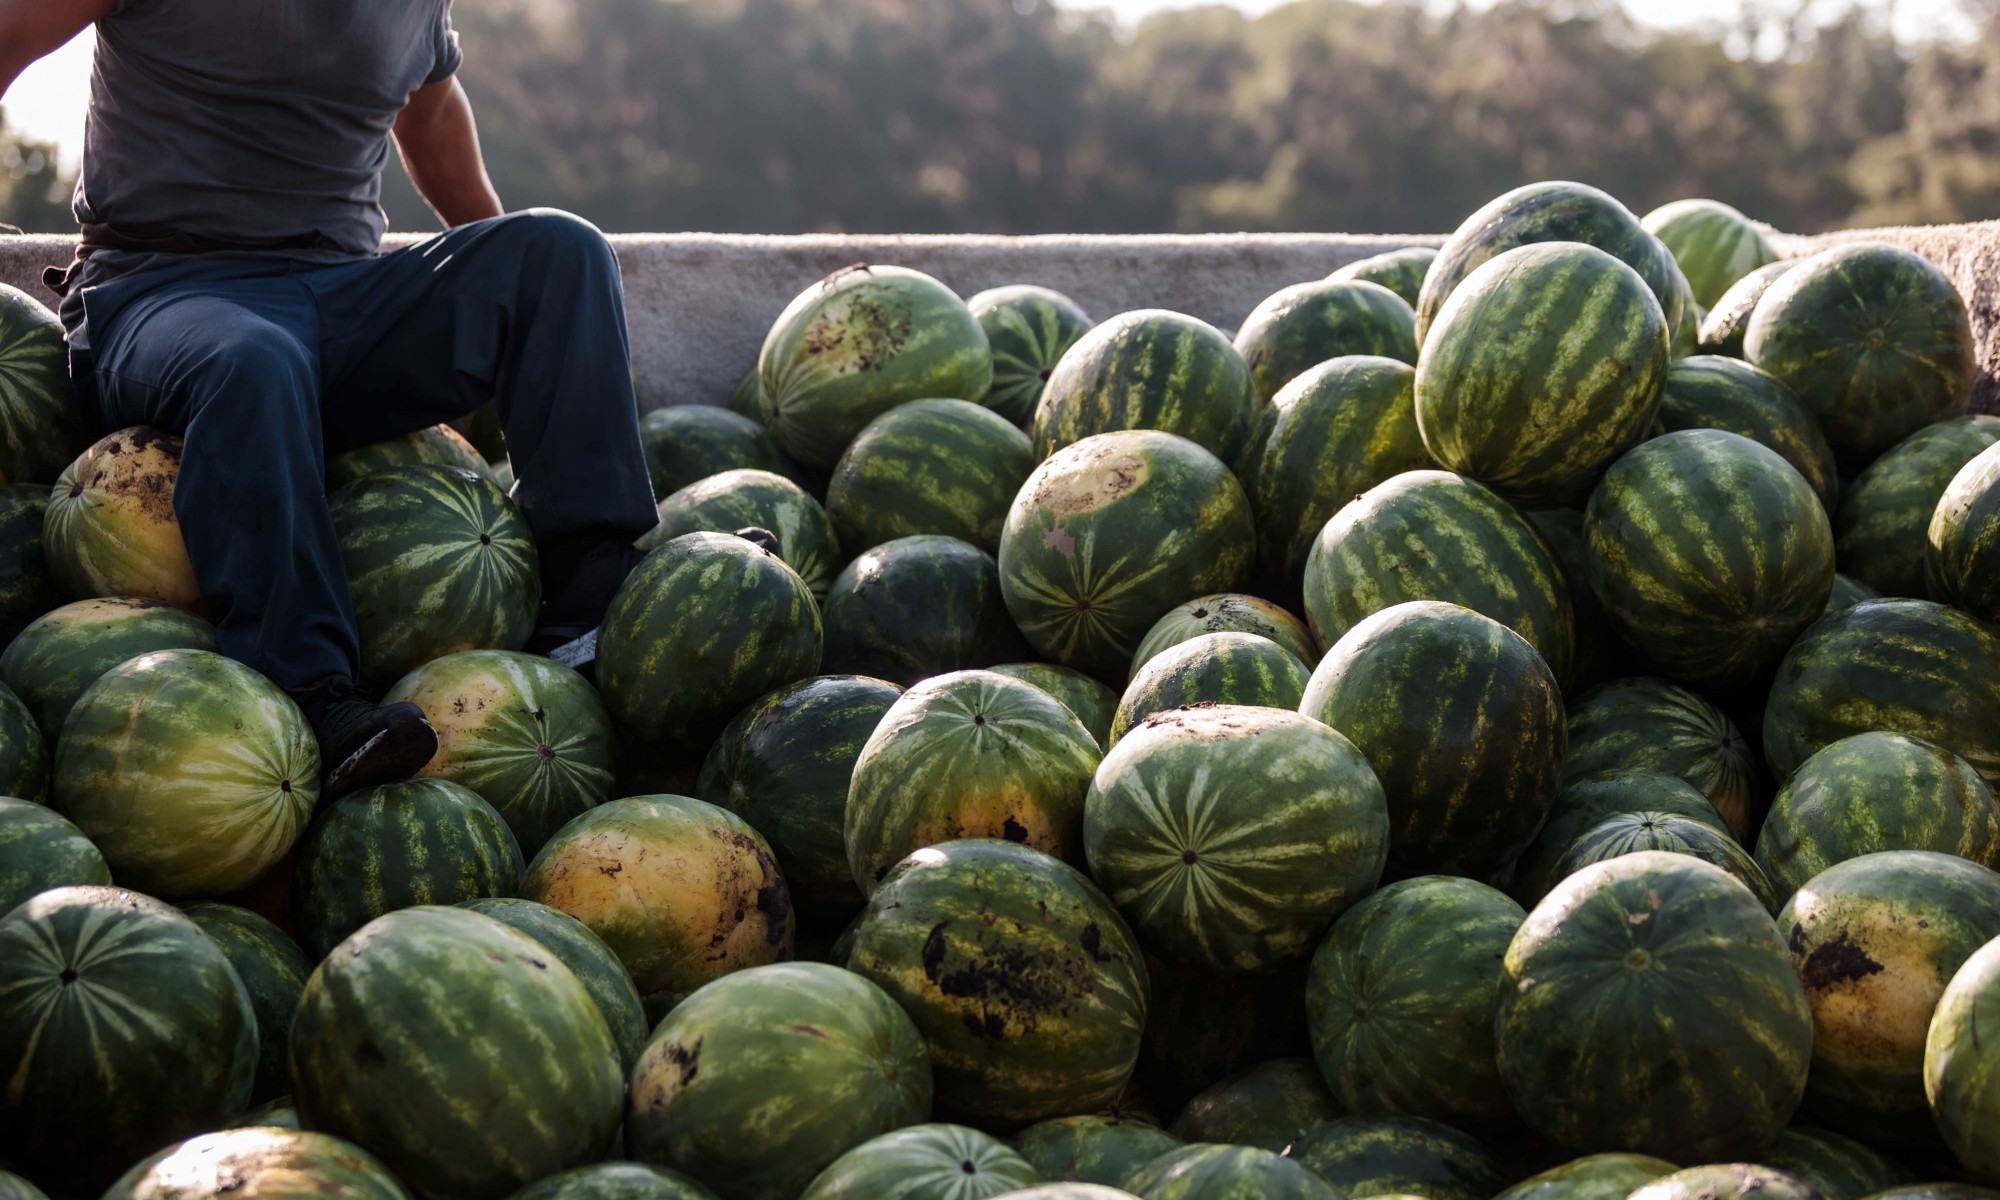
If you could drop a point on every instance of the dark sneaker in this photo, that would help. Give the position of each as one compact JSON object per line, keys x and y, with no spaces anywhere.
{"x":573,"y":607}
{"x":363,"y":744}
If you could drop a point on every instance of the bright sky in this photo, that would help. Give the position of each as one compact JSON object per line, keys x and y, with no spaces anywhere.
{"x":50,"y":98}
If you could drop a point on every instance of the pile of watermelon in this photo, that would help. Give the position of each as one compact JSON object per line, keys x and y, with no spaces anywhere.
{"x":1518,"y":719}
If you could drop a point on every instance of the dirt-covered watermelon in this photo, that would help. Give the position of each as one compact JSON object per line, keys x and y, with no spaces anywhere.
{"x":269,"y":1164}
{"x":440,"y":445}
{"x":50,"y":663}
{"x":1962,"y":558}
{"x":924,"y":1162}
{"x":1306,"y":324}
{"x":1401,"y":271}
{"x":1709,"y":391}
{"x":916,"y":607}
{"x":747,"y":499}
{"x":1713,"y":244}
{"x":1092,"y":1149}
{"x":28,"y":586}
{"x":1092,"y":702}
{"x":110,"y":529}
{"x":945,"y":467}
{"x":1648,"y":724}
{"x":1030,"y":329}
{"x":39,"y":850}
{"x":1267,"y":1105}
{"x":1150,"y":369}
{"x":1214,"y":668}
{"x":592,"y":962}
{"x":1206,"y":1170}
{"x":1399,"y":1156}
{"x":273,"y":971}
{"x":687,"y":443}
{"x":1882,"y":531}
{"x":1729,"y":1181}
{"x":42,"y":427}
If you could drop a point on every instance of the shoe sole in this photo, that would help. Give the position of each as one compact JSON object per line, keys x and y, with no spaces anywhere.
{"x":368,"y":767}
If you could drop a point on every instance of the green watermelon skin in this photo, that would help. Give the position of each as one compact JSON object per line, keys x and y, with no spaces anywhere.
{"x":1587,"y":799}
{"x":273,"y":972}
{"x":110,"y":528}
{"x":1215,"y":668}
{"x":1401,"y":997}
{"x":482,"y":427}
{"x":748,"y":499}
{"x":1308,"y":323}
{"x":40,"y":850}
{"x":13,"y":1187}
{"x":747,"y":398}
{"x":593,"y":963}
{"x":439,"y":445}
{"x":1593,"y":1177}
{"x":917,"y":607}
{"x":1709,"y":391}
{"x":259,"y":1163}
{"x":385,"y":1051}
{"x":28,"y":587}
{"x":156,"y":1043}
{"x":1026,"y":984}
{"x":1336,"y":430}
{"x":1090,"y":701}
{"x":1546,"y":365}
{"x":615,"y":1181}
{"x":1877,"y":791}
{"x":1684,"y":337}
{"x":1962,"y":565}
{"x":50,"y":663}
{"x":1030,"y":329}
{"x":687,"y":443}
{"x":1872,"y":338}
{"x":1207,"y":1171}
{"x":1848,"y":592}
{"x":924,"y":1162}
{"x":1960,"y":1079}
{"x":274,"y":1114}
{"x":858,"y":343}
{"x":968,"y":755}
{"x":1109,"y":534}
{"x":1599,"y":654}
{"x":1225,"y":612}
{"x":1399,"y":1155}
{"x":1709,"y":553}
{"x":1713,"y":244}
{"x":1630,"y":832}
{"x":703,"y":626}
{"x":191,"y":772}
{"x":1936,"y":1191}
{"x":1647,"y":724}
{"x":1726,"y":321}
{"x":1268,"y":1106}
{"x":1729,"y":1181}
{"x":424,"y":841}
{"x":1875,"y":939}
{"x":526,"y":733}
{"x":1479,"y":552}
{"x":1150,"y":370}
{"x":945,"y":467}
{"x":1839,"y":1166}
{"x":1882,"y":531}
{"x":784,"y":765}
{"x":42,"y":428}
{"x":717,"y":1093}
{"x":1463,"y":723}
{"x":1230,"y":837}
{"x":24,"y":752}
{"x":1100,"y":1150}
{"x":1901,"y":666}
{"x":1702,"y":1058}
{"x":438,"y":560}
{"x":1401,"y":271}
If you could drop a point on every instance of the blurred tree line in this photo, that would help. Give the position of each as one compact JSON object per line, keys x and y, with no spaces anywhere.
{"x":1010,"y":116}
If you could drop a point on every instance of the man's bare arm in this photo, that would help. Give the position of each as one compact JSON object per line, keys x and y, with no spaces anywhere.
{"x":439,"y":142}
{"x":30,"y":29}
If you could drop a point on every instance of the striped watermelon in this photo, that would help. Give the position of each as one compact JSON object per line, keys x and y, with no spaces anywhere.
{"x":1401,"y":996}
{"x":528,"y":734}
{"x":615,"y":1181}
{"x":1150,"y":369}
{"x":438,"y":560}
{"x":1594,"y":1177}
{"x":968,"y":755}
{"x":1713,"y":244}
{"x":809,"y":1060}
{"x":1723,"y":326}
{"x":687,"y":443}
{"x":1401,"y":271}
{"x":1463,"y":723}
{"x":125,"y":1028}
{"x":1622,"y":833}
{"x":747,"y":398}
{"x":1729,"y":1181}
{"x":934,"y":466}
{"x":1101,"y":1150}
{"x":706,"y":624}
{"x":1209,"y":1170}
{"x":1090,"y":701}
{"x":1110,"y":533}
{"x":855,"y":345}
{"x":1962,"y":559}
{"x":1230,"y":837}
{"x":1545,"y":366}
{"x":1872,"y":338}
{"x":1960,"y":1061}
{"x":39,"y":850}
{"x":42,"y":427}
{"x":1214,"y":668}
{"x":28,"y":586}
{"x":784,"y":764}
{"x":748,"y":499}
{"x":1030,"y":329}
{"x":1839,"y":1166}
{"x":917,"y":607}
{"x":1399,"y":1156}
{"x":1026,"y":985}
{"x":24,"y":752}
{"x":683,"y":892}
{"x":386,"y":1052}
{"x":50,"y":663}
{"x":1650,"y":1005}
{"x":191,"y":772}
{"x":1335,"y":431}
{"x":1586,"y":800}
{"x":1709,"y":553}
{"x":1478,"y":551}
{"x":1684,"y":338}
{"x":1904,"y":666}
{"x":259,"y":1163}
{"x":1304,"y":325}
{"x":1225,"y":612}
{"x":440,"y":445}
{"x":273,"y":972}
{"x":924,"y":1162}
{"x":1882,"y":531}
{"x":587,"y":957}
{"x":110,"y":529}
{"x":1875,"y":939}
{"x":1648,"y":724}
{"x":426,"y":841}
{"x":1709,"y":391}
{"x":1599,"y":653}
{"x":1876,"y":791}
{"x":1267,"y":1106}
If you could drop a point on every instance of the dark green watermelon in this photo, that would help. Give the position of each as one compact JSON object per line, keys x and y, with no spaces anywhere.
{"x":746,"y":399}
{"x":1962,"y":565}
{"x":1729,"y":1181}
{"x":28,"y":587}
{"x":438,"y":444}
{"x":1092,"y":702}
{"x":1203,"y":1029}
{"x":1593,"y":1177}
{"x":1399,"y":1156}
{"x":1150,"y":369}
{"x":1882,"y":530}
{"x":594,"y":964}
{"x":749,"y":499}
{"x":51,"y":662}
{"x":1401,"y":271}
{"x":615,"y":1181}
{"x":1723,"y":326}
{"x":944,"y":467}
{"x":1308,"y":323}
{"x":1713,"y":244}
{"x":1648,"y":724}
{"x":1599,"y":653}
{"x":1217,"y":1172}
{"x":1225,"y":612}
{"x":482,"y":427}
{"x":1030,"y":329}
{"x":24,"y":752}
{"x":1091,"y":1149}
{"x":259,"y":1163}
{"x":39,"y":850}
{"x":1839,"y":1166}
{"x":1587,"y":799}
{"x":1848,"y":592}
{"x":273,"y":971}
{"x":917,"y":607}
{"x":924,"y":1162}
{"x":1959,"y":1065}
{"x":1624,"y":833}
{"x":687,"y":443}
{"x":42,"y":426}
{"x":1712,"y":392}
{"x":1268,"y":1106}
{"x":1215,"y":668}
{"x":1936,"y":1191}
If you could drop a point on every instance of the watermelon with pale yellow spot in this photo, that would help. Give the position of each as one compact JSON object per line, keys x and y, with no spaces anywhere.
{"x":110,"y":528}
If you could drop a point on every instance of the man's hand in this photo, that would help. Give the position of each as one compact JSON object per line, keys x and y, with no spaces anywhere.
{"x":439,"y":142}
{"x":30,"y":29}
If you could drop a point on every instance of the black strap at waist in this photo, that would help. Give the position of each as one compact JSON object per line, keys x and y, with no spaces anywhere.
{"x":167,"y":241}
